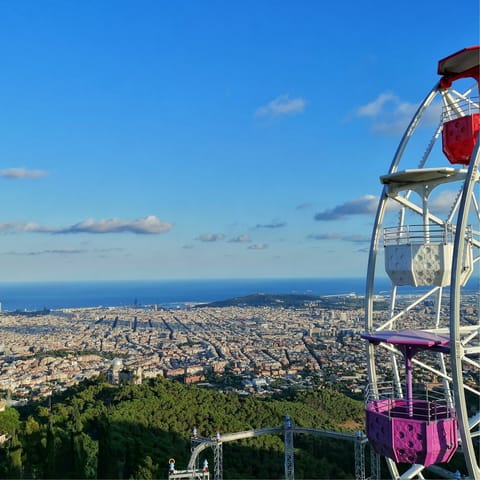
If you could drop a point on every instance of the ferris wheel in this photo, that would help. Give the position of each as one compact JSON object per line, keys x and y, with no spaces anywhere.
{"x":423,"y":335}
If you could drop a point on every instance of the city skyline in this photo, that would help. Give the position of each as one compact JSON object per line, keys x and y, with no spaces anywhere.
{"x":152,"y":140}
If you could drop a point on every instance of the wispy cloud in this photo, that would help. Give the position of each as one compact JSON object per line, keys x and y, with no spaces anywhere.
{"x":21,"y":173}
{"x":375,"y":108}
{"x":62,"y":251}
{"x":258,"y":246}
{"x":346,"y":237}
{"x":271,"y":225}
{"x":244,"y":238}
{"x":304,"y":206}
{"x":211,"y":237}
{"x":443,"y":202}
{"x":58,"y":251}
{"x":25,"y":227}
{"x":150,"y":225}
{"x":281,"y":106}
{"x":365,"y":205}
{"x":389,"y":114}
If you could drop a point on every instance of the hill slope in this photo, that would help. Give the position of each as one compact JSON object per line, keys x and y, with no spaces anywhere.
{"x":99,"y":431}
{"x":289,"y":301}
{"x":267,"y":300}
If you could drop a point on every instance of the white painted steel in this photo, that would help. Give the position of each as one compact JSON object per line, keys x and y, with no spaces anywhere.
{"x":201,"y":443}
{"x":416,"y":183}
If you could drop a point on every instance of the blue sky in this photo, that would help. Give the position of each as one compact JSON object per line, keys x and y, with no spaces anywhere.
{"x":206,"y":139}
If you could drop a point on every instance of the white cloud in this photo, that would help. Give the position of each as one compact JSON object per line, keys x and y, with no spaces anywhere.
{"x":346,"y":237}
{"x":443,"y":202}
{"x":391,"y":115}
{"x":63,"y":251}
{"x":244,"y":238}
{"x":374,"y":108}
{"x":25,"y":227}
{"x":258,"y":246}
{"x":21,"y":173}
{"x":281,"y":106}
{"x":57,"y":251}
{"x":211,"y":237}
{"x":304,"y":206}
{"x":366,"y":205}
{"x":150,"y":225}
{"x":271,"y":225}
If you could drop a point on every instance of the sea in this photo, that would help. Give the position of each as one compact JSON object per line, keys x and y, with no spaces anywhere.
{"x":166,"y":293}
{"x":177,"y":293}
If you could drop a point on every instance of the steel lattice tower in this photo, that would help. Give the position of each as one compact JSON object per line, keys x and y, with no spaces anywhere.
{"x":288,"y":439}
{"x":360,"y":443}
{"x":374,"y":465}
{"x":218,"y":461}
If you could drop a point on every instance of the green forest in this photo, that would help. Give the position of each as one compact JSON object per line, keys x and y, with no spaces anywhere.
{"x":97,"y":430}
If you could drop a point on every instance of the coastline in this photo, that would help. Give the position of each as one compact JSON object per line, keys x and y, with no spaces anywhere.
{"x":79,"y":294}
{"x":32,"y":296}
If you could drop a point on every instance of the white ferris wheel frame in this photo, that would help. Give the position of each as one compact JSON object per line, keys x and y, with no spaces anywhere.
{"x":461,"y":336}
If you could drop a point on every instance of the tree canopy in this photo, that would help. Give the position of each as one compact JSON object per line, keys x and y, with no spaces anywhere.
{"x":96,"y":430}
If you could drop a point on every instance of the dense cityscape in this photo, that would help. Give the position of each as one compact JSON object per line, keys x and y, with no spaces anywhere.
{"x":252,"y":350}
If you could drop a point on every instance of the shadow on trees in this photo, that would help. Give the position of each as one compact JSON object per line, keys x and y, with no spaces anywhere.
{"x":96,"y":430}
{"x":126,"y":450}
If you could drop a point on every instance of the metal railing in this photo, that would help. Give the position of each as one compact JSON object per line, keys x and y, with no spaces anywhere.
{"x":418,"y":234}
{"x":460,"y":108}
{"x":428,"y":405}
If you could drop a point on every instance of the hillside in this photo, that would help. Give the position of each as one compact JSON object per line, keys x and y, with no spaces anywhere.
{"x":291,"y":300}
{"x":97,"y":430}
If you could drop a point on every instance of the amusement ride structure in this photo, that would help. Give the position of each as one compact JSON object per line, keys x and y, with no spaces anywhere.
{"x":287,"y":430}
{"x":427,"y":229}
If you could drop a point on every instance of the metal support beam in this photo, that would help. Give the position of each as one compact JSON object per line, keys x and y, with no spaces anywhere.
{"x":360,"y":443}
{"x":374,"y":465}
{"x":218,"y":461}
{"x":289,"y":452}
